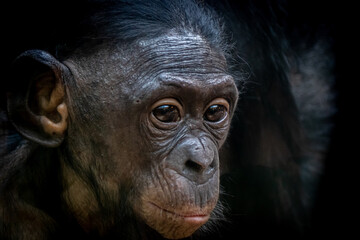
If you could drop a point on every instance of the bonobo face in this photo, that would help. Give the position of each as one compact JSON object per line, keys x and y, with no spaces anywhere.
{"x":166,"y":106}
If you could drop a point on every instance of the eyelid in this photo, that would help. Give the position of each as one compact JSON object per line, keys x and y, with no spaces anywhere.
{"x":167,"y":101}
{"x":218,"y":101}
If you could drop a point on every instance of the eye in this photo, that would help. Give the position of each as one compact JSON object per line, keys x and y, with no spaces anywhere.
{"x":166,"y":113}
{"x":217,"y":110}
{"x":215,"y":113}
{"x":167,"y":110}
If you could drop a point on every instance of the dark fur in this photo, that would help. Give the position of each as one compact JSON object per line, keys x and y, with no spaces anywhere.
{"x":274,"y":151}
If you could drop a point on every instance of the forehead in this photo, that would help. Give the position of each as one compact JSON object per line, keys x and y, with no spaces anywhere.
{"x":183,"y":60}
{"x":178,"y":54}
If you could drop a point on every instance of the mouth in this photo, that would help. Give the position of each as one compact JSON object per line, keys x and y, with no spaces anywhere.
{"x":189,"y":217}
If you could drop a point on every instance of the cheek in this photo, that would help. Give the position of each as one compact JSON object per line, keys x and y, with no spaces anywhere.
{"x":174,"y":206}
{"x":111,"y":148}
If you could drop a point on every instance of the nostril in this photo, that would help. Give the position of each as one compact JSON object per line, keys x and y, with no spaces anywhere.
{"x":212,"y":165}
{"x":193,"y":166}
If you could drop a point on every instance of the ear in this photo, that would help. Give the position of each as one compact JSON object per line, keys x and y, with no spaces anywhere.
{"x":35,"y":101}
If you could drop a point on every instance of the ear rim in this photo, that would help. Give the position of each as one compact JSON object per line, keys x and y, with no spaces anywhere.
{"x":27,"y":123}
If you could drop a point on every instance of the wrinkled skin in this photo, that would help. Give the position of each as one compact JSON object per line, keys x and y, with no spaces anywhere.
{"x":163,"y":110}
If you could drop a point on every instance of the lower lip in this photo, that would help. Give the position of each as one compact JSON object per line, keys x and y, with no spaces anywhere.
{"x":195,"y":219}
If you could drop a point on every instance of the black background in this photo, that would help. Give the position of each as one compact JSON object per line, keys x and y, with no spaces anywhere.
{"x":336,"y":209}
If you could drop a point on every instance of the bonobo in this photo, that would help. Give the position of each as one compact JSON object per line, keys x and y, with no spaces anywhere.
{"x":117,"y":127}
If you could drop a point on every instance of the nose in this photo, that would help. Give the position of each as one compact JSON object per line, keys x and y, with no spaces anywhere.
{"x":195,"y":159}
